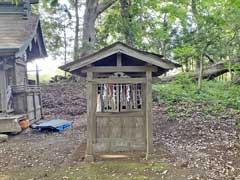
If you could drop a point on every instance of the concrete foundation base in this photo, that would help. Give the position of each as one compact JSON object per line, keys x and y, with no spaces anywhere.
{"x":9,"y":124}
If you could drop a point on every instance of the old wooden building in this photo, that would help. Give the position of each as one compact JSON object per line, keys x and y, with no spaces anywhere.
{"x":21,"y":41}
{"x":119,"y":87}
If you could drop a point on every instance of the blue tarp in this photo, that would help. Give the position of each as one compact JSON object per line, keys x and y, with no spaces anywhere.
{"x":55,"y":124}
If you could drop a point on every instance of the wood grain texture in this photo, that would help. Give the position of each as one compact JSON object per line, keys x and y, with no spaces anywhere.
{"x":149,"y":128}
{"x":89,"y":150}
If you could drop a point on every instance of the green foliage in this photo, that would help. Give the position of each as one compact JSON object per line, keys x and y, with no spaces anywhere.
{"x":176,"y":29}
{"x":185,"y":51}
{"x":238,"y":125}
{"x":56,"y":23}
{"x":15,"y":1}
{"x":50,"y":3}
{"x":44,"y":78}
{"x":215,"y":95}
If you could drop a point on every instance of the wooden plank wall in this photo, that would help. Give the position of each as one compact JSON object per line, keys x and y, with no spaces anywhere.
{"x":2,"y":91}
{"x":120,"y":132}
{"x":20,"y":74}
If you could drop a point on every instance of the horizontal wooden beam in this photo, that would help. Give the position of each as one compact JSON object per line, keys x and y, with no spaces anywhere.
{"x":118,"y":80}
{"x":112,"y":69}
{"x":120,"y":114}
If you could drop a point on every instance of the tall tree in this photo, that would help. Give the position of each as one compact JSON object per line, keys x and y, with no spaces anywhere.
{"x":76,"y":5}
{"x":55,"y":21}
{"x":52,"y":8}
{"x":93,"y":9}
{"x":126,"y":21}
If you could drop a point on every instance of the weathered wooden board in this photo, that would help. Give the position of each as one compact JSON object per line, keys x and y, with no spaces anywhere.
{"x":19,"y":28}
{"x":149,"y":127}
{"x":34,"y":107}
{"x":2,"y":91}
{"x":38,"y":109}
{"x":20,"y":105}
{"x":120,"y":133}
{"x":20,"y":74}
{"x":30,"y":107}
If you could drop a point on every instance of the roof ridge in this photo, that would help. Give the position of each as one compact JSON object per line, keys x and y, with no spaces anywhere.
{"x":156,"y":59}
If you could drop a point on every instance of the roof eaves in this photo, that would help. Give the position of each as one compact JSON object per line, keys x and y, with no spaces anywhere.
{"x":122,"y":48}
{"x":43,"y":51}
{"x":82,"y":59}
{"x":28,"y":41}
{"x":20,"y":2}
{"x":8,"y":50}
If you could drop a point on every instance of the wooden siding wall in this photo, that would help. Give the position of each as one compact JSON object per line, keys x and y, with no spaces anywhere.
{"x":14,"y":73}
{"x":2,"y":91}
{"x":20,"y":74}
{"x":20,"y":106}
{"x":33,"y":106}
{"x":120,"y":132}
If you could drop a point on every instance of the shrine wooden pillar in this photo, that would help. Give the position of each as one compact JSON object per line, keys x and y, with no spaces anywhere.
{"x":91,"y":119}
{"x":149,"y":126}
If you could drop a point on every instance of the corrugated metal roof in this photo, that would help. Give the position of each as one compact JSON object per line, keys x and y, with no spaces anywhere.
{"x":15,"y":31}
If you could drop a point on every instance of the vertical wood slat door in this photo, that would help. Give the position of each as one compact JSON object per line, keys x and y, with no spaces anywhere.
{"x":120,"y":133}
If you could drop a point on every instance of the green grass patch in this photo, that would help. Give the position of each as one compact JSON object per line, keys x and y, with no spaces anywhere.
{"x":96,"y":171}
{"x":215,"y":95}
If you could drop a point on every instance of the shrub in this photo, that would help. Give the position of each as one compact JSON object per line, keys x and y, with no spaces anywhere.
{"x":217,"y":95}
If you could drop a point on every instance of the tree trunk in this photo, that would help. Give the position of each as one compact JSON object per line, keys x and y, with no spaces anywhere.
{"x":200,"y":75}
{"x":209,"y":72}
{"x":92,"y":11}
{"x":195,"y":15}
{"x":126,"y":17}
{"x":89,"y":33}
{"x":76,"y":38}
{"x":65,"y":48}
{"x":182,"y":67}
{"x":187,"y":65}
{"x":197,"y":65}
{"x":230,"y":68}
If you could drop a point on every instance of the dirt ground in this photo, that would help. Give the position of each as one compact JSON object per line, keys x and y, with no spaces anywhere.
{"x":192,"y":147}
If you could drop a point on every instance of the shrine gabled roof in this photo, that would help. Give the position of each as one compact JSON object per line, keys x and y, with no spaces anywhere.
{"x":18,"y":33}
{"x":118,"y":47}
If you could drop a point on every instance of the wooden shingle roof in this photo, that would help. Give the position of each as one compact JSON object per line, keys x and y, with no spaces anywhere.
{"x":119,"y":47}
{"x":17,"y":33}
{"x":19,"y":2}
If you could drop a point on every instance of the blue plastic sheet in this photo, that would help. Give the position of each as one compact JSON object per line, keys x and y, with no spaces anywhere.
{"x":55,"y":124}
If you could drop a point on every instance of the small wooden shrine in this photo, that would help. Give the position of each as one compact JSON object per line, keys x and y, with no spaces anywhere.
{"x":119,"y":88}
{"x":21,"y":41}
